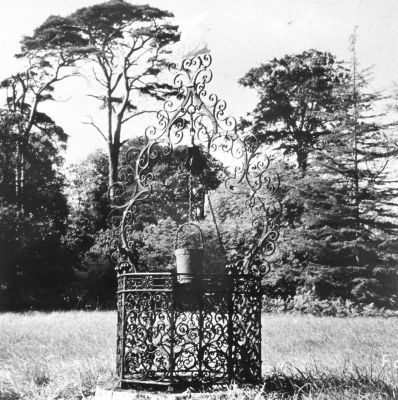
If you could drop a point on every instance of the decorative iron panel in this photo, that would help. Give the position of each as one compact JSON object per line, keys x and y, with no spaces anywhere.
{"x":172,"y":334}
{"x":246,"y":331}
{"x":145,"y":352}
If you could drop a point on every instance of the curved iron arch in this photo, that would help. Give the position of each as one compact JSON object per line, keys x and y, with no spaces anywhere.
{"x":199,"y":116}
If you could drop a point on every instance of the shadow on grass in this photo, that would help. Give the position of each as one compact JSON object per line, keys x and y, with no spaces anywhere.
{"x":345,"y":386}
{"x":9,"y":395}
{"x":295,"y":385}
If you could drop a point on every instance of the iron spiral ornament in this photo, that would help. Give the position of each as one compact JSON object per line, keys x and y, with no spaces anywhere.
{"x":171,"y":334}
{"x":195,"y":114}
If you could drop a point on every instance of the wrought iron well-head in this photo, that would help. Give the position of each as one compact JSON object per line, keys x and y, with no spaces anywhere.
{"x":201,"y":328}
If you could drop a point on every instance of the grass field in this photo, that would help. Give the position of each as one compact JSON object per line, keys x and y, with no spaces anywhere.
{"x":61,"y":355}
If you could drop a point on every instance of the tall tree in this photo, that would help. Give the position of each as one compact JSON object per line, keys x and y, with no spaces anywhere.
{"x":355,"y":160}
{"x":299,"y":101}
{"x":26,"y":90}
{"x":125,"y":45}
{"x":35,"y":269}
{"x":339,"y":223}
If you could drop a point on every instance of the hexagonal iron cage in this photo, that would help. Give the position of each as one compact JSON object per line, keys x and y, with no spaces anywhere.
{"x":178,"y":335}
{"x":193,"y":329}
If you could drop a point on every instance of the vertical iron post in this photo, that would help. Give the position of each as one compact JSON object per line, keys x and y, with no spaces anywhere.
{"x":123,"y":329}
{"x":230,"y":327}
{"x":172,"y":329}
{"x":200,"y":300}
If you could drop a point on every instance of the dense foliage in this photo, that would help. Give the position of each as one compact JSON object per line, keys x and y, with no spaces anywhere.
{"x":300,"y":100}
{"x":315,"y":116}
{"x":35,"y":267}
{"x":339,"y":212}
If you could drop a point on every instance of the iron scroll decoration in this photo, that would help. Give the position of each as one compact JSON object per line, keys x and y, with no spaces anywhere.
{"x":196,"y":115}
{"x":170,"y":333}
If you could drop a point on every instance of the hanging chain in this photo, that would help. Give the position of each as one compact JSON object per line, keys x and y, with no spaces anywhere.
{"x":190,"y":197}
{"x":217,"y":229}
{"x":192,"y":133}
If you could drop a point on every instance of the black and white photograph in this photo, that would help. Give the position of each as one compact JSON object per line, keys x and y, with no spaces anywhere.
{"x":199,"y":200}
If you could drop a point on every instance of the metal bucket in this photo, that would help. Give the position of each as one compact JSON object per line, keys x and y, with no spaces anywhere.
{"x":189,"y":261}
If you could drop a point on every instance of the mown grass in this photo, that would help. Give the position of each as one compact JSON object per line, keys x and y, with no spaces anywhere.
{"x":55,"y":355}
{"x":61,"y":355}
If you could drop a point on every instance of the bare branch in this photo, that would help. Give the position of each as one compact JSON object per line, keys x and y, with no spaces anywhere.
{"x":96,"y":97}
{"x":117,"y":81}
{"x":98,"y":79}
{"x":96,"y":127}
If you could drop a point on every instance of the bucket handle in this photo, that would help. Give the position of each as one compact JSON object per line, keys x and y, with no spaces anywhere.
{"x":182,"y":226}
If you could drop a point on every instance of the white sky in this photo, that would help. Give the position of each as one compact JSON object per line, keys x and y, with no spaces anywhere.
{"x":240,"y":34}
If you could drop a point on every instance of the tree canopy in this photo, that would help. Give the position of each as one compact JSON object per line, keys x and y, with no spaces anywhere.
{"x":339,"y":233}
{"x":122,"y":47}
{"x":300,"y":100}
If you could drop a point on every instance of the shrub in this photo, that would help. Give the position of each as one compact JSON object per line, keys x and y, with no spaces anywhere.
{"x":305,"y":301}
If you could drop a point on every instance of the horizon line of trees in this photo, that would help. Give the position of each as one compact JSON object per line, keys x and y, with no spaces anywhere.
{"x":315,"y":115}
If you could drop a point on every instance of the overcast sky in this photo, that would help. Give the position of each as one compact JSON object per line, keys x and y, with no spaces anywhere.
{"x":240,"y":34}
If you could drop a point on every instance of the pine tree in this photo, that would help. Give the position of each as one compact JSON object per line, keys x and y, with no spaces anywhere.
{"x":354,"y":163}
{"x":122,"y":47}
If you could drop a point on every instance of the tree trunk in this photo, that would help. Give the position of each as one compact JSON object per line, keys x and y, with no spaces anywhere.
{"x":113,"y":156}
{"x":114,"y":151}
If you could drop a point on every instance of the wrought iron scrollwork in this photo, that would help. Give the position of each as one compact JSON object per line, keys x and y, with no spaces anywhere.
{"x":207,"y":330}
{"x":195,"y":115}
{"x":170,"y":334}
